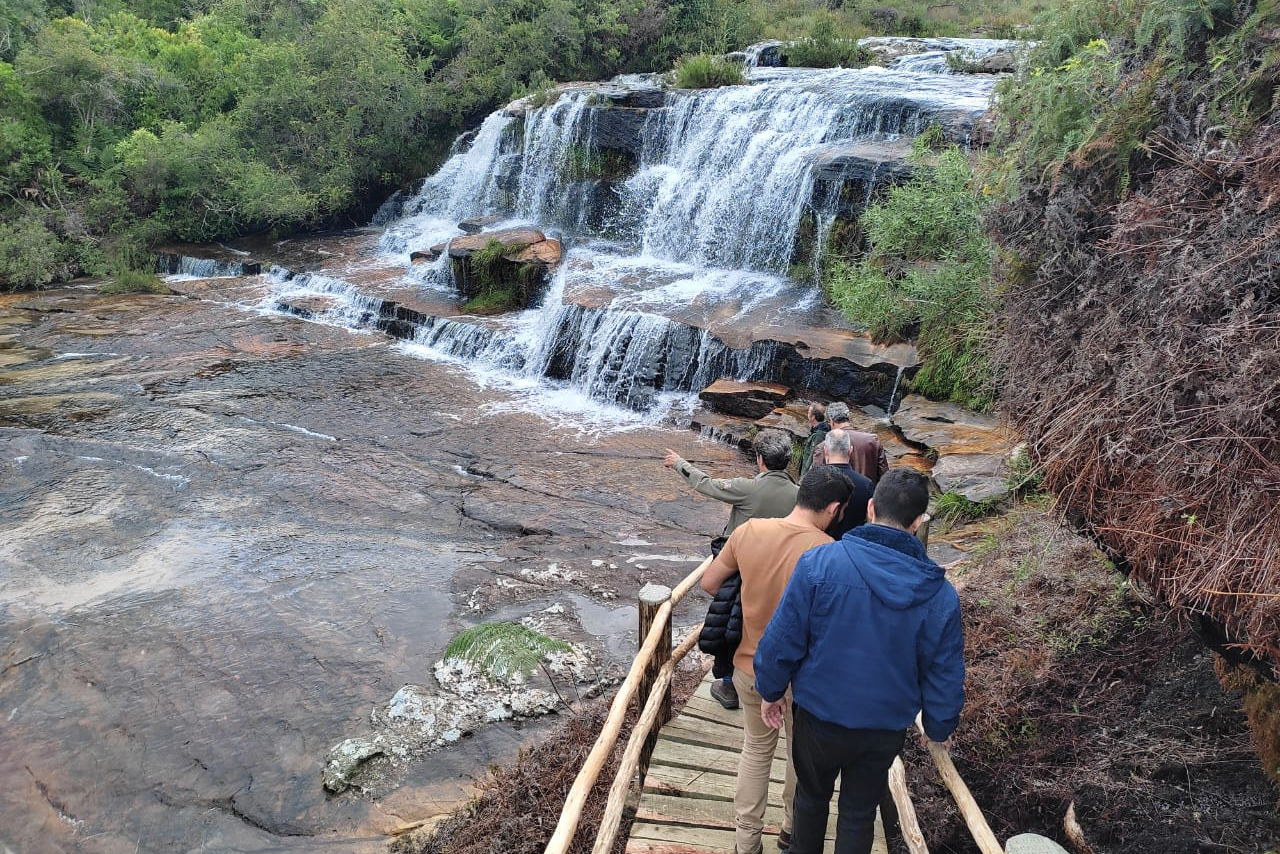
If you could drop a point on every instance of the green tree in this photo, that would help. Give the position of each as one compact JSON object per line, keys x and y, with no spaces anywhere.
{"x":81,"y":90}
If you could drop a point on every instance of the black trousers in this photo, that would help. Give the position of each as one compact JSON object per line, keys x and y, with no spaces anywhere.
{"x":861,"y":758}
{"x":722,"y":664}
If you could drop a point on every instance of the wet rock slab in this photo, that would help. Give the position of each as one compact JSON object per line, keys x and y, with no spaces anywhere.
{"x":972,"y":449}
{"x":225,"y":537}
{"x":750,"y":400}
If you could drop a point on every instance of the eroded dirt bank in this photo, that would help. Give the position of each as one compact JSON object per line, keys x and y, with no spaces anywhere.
{"x":225,"y":537}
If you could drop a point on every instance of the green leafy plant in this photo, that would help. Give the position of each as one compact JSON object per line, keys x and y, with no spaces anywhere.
{"x":503,"y":650}
{"x":703,"y":71}
{"x":927,"y":274}
{"x":134,"y":282}
{"x":823,"y":48}
{"x":951,"y":508}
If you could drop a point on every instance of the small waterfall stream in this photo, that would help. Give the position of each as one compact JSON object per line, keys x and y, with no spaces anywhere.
{"x":686,"y":215}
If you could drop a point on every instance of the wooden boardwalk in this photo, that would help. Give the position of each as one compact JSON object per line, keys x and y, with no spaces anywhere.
{"x":686,"y":806}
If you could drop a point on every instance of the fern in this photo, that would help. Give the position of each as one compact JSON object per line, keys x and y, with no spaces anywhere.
{"x":503,"y":650}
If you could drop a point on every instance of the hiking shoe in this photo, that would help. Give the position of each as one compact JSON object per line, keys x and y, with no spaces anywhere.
{"x":784,"y":841}
{"x":724,"y":693}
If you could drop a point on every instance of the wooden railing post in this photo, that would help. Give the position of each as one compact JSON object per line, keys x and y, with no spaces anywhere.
{"x":652,"y":598}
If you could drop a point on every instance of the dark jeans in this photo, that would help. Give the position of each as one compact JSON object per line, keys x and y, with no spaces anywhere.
{"x":861,"y":757}
{"x":722,"y":665}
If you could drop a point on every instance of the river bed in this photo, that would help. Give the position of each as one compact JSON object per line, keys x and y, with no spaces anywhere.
{"x":226,"y":536}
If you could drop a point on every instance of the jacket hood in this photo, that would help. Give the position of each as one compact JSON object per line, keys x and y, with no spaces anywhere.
{"x":893,"y":564}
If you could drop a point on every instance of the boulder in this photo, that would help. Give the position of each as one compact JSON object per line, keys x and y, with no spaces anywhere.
{"x":978,"y":477}
{"x":547,"y":252}
{"x":1000,"y":62}
{"x":477,"y":224}
{"x":515,"y":281}
{"x":462,"y":247}
{"x":750,"y":400}
{"x":346,"y":757}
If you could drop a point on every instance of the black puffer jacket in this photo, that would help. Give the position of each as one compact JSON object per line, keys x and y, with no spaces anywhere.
{"x":722,"y":630}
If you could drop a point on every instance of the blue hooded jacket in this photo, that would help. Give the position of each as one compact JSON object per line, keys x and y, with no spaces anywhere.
{"x":867,"y":634}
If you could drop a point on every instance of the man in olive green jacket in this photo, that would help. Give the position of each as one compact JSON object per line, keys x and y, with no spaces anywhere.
{"x":771,"y":494}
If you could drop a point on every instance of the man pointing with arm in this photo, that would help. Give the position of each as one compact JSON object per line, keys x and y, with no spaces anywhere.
{"x":867,"y":635}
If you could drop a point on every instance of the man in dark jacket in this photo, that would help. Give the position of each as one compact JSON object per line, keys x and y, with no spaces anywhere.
{"x":818,"y":428}
{"x":867,"y":635}
{"x":836,"y":451}
{"x":866,"y":454}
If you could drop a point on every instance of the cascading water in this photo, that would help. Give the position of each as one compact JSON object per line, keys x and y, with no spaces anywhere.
{"x":684,"y":214}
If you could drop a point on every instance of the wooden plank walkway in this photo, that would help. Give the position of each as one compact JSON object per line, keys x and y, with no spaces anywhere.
{"x":686,"y":806}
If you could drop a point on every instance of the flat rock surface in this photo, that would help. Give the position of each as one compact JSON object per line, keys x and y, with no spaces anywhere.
{"x":949,"y":428}
{"x":978,"y":477}
{"x":226,"y":536}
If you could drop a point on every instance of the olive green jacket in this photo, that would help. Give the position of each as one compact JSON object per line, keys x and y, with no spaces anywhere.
{"x":768,"y":495}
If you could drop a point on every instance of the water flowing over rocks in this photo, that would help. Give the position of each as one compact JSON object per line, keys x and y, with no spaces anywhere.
{"x":238,"y":518}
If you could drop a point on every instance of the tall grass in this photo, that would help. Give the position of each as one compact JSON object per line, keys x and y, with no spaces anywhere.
{"x":703,"y":71}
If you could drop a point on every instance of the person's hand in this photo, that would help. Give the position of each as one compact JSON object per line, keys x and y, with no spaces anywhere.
{"x":671,"y":458}
{"x":925,"y":741}
{"x":771,"y":713}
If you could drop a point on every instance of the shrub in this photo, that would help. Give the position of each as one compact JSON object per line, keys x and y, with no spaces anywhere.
{"x":134,"y":282}
{"x":951,"y":508}
{"x":822,"y":49}
{"x":927,"y":274}
{"x":29,"y":254}
{"x":703,"y":71}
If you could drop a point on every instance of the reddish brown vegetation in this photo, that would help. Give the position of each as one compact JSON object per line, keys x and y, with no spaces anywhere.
{"x":1141,"y":353}
{"x":1077,"y":694}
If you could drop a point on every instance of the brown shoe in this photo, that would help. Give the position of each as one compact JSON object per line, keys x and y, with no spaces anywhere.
{"x":725,"y":694}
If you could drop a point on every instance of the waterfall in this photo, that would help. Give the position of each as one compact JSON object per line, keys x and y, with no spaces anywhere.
{"x":683,"y":211}
{"x":185,"y":266}
{"x":724,"y":175}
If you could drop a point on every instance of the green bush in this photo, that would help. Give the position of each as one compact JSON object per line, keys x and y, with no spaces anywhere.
{"x":927,"y":274}
{"x":822,"y":48}
{"x":134,"y":282}
{"x":30,"y":254}
{"x":1075,"y":102}
{"x":703,"y":71}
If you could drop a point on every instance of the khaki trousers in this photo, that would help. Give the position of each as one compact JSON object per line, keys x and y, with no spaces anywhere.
{"x":754,"y":763}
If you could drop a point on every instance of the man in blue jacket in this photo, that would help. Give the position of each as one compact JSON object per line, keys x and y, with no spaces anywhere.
{"x":867,"y":635}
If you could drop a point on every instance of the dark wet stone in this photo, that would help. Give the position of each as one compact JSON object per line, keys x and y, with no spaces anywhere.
{"x":750,"y":400}
{"x":477,"y":224}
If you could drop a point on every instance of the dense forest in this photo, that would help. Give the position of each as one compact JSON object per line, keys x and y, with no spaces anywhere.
{"x":128,"y":122}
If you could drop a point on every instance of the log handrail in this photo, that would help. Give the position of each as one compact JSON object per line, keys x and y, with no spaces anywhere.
{"x":969,"y":809}
{"x":571,"y":814}
{"x":612,"y":818}
{"x":650,"y":717}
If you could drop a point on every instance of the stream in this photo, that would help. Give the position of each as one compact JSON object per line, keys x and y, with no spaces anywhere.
{"x":236,"y":520}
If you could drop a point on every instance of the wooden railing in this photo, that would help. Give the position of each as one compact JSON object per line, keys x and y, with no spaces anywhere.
{"x":649,"y":680}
